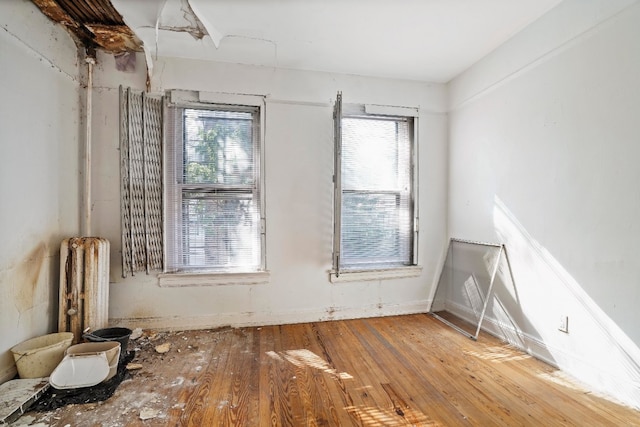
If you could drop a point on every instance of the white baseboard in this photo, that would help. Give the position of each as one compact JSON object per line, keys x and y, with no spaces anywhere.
{"x":623,"y":390}
{"x":277,"y":318}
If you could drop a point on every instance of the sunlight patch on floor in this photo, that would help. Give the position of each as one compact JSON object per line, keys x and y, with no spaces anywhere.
{"x":372,"y":416}
{"x":305,"y":358}
{"x":498,"y":355}
{"x":563,"y":379}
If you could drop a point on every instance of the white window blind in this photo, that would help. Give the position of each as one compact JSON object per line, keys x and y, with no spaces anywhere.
{"x":213,"y":189}
{"x":375,"y":185}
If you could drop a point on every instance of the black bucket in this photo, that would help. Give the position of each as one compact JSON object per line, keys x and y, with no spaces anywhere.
{"x":120,"y":335}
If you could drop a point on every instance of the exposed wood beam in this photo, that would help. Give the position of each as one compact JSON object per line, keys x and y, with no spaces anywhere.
{"x":94,"y":24}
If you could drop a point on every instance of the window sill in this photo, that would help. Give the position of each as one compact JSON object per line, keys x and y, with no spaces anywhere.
{"x":176,"y":280}
{"x":368,"y":275}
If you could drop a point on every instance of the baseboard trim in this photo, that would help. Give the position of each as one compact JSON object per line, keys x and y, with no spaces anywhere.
{"x":623,"y":390}
{"x":172,"y":323}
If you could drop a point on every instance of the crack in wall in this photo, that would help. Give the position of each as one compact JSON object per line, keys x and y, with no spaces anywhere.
{"x":193,"y":25}
{"x":42,"y":57}
{"x":197,"y":31}
{"x":272,"y":42}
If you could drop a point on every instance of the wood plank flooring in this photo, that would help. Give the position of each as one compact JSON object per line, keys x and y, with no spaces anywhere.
{"x":392,"y":371}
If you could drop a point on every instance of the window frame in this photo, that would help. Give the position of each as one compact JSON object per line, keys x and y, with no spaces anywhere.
{"x":176,"y":274}
{"x":342,"y":273}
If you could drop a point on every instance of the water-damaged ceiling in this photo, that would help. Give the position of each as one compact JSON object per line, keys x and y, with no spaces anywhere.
{"x":426,"y":40}
{"x":95,"y":24}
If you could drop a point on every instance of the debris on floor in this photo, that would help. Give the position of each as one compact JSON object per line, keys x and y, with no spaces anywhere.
{"x":163,"y":348}
{"x":54,"y":398}
{"x":151,"y":385}
{"x":16,"y":396}
{"x":148,"y":413}
{"x":136,"y":333}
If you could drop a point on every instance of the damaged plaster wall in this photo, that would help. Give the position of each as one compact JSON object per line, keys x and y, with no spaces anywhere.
{"x":179,"y":16}
{"x":299,"y":164}
{"x":39,"y":175}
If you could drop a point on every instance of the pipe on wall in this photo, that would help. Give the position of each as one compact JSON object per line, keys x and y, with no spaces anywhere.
{"x":86,"y":223}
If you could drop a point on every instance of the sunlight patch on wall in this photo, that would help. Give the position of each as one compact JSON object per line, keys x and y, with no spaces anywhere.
{"x":595,"y":349}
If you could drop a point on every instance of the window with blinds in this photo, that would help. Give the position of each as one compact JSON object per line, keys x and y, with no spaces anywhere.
{"x":213,"y":204}
{"x":375,"y":209}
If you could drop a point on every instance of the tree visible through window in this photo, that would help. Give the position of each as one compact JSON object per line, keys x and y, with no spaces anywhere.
{"x":217,"y":206}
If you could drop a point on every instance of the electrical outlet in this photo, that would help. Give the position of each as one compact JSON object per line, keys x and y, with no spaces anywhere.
{"x":564,"y":324}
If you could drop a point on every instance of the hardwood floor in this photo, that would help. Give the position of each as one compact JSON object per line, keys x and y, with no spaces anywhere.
{"x":393,"y":371}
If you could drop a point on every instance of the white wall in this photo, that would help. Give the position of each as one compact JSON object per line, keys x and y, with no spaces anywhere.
{"x":39,"y":193}
{"x":544,"y":149}
{"x":299,"y":165}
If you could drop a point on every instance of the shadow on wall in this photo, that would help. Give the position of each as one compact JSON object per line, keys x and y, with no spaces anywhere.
{"x":465,"y":283}
{"x":527,"y":311}
{"x":505,"y":315}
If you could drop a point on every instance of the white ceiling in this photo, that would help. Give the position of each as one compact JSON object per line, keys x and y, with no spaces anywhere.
{"x":426,"y":40}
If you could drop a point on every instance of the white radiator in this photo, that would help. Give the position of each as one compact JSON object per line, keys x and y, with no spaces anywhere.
{"x":84,"y":285}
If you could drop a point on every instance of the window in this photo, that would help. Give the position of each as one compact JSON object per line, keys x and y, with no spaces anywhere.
{"x":375,"y":192}
{"x":214,"y":205}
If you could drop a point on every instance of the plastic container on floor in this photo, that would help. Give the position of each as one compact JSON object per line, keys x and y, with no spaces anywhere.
{"x":110,"y":349}
{"x":38,"y":357}
{"x":120,"y":335}
{"x":82,"y":370}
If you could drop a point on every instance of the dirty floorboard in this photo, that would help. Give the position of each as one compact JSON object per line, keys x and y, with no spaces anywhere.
{"x":392,"y":371}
